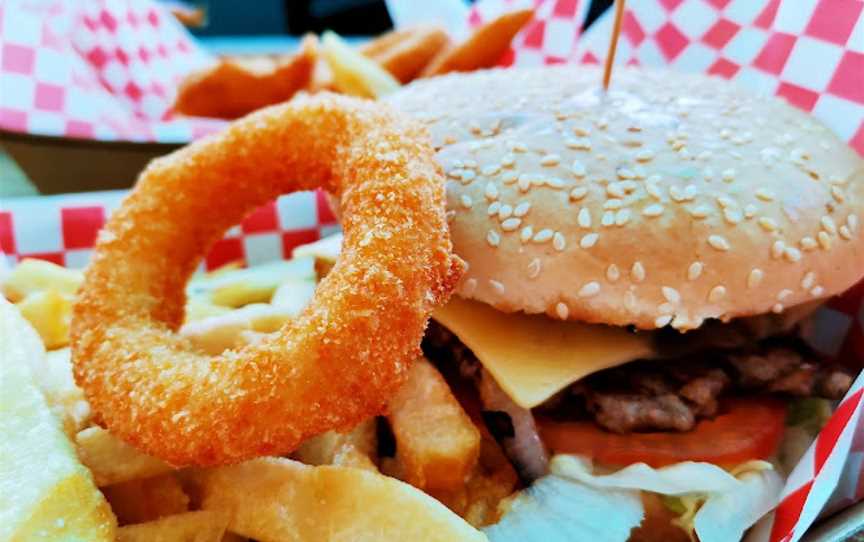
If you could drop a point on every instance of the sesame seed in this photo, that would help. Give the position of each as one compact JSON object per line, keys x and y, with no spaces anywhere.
{"x":808,"y":280}
{"x":728,"y":175}
{"x":764,"y":195}
{"x":717,"y":293}
{"x":612,"y":273}
{"x":777,"y":249}
{"x":694,"y":270}
{"x":491,"y":191}
{"x":628,"y":186}
{"x":653,"y":191}
{"x":493,"y":238}
{"x":613,"y":204}
{"x":637,"y":272}
{"x":466,"y":200}
{"x":645,"y":155}
{"x":518,"y":147}
{"x":844,"y":232}
{"x":750,"y":210}
{"x":792,"y":254}
{"x":663,"y":321}
{"x":538,"y":180}
{"x":676,"y":194}
{"x":562,"y":311}
{"x":511,"y":224}
{"x":582,"y":143}
{"x":543,"y":235}
{"x":601,"y":123}
{"x":584,"y":217}
{"x":817,"y":291}
{"x":718,"y":242}
{"x":589,"y":240}
{"x":490,"y":170}
{"x":767,"y":224}
{"x":581,"y":131}
{"x":468,"y":176}
{"x":550,"y":160}
{"x":671,"y":294}
{"x":608,"y":218}
{"x":798,"y":156}
{"x":578,"y":193}
{"x":837,"y":193}
{"x":724,"y":202}
{"x":524,"y":182}
{"x":508,"y":160}
{"x":836,"y":179}
{"x":625,"y":174}
{"x":534,"y":268}
{"x":578,"y":169}
{"x":755,"y":277}
{"x":622,"y":217}
{"x":589,"y":289}
{"x":559,"y":242}
{"x":469,"y":286}
{"x":493,"y":209}
{"x":828,"y":224}
{"x":784,"y":293}
{"x":666,"y":308}
{"x":615,"y":190}
{"x":808,"y":243}
{"x":505,"y":211}
{"x":824,"y":240}
{"x":653,"y":210}
{"x":777,"y":308}
{"x":555,"y":182}
{"x":700,"y":211}
{"x":497,"y":286}
{"x":732,"y":216}
{"x":510,"y":177}
{"x":522,"y":209}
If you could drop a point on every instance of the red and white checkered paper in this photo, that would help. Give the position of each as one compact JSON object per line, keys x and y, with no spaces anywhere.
{"x":96,"y":69}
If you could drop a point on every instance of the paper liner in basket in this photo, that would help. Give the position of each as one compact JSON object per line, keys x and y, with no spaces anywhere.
{"x":104,"y":70}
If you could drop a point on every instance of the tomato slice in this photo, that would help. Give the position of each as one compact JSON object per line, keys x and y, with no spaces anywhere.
{"x":745,"y":429}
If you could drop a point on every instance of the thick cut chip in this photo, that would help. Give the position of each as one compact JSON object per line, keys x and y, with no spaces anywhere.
{"x":45,"y":493}
{"x":354,"y":449}
{"x":483,"y":49}
{"x":31,"y":276}
{"x":437,"y":444}
{"x":353,"y":73}
{"x":53,"y":374}
{"x":113,"y":461}
{"x":404,"y":53}
{"x":275,"y":499}
{"x":140,"y":501}
{"x":50,"y":313}
{"x":200,"y":526}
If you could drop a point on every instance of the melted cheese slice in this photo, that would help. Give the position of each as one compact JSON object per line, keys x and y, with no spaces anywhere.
{"x":532,"y":357}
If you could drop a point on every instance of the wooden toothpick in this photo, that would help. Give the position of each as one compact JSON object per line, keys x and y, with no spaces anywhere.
{"x":613,"y":43}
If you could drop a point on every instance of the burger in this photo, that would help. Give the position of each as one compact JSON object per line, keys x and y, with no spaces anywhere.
{"x":642,"y":265}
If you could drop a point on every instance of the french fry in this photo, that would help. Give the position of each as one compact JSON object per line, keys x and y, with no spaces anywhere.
{"x":325,"y":251}
{"x":148,"y":499}
{"x":113,"y":461}
{"x":483,"y":48}
{"x":50,"y":313}
{"x":257,"y":284}
{"x":280,"y":499}
{"x":354,"y":449}
{"x":31,"y":276}
{"x":404,"y":53}
{"x":200,"y":526}
{"x":45,"y":492}
{"x":437,"y":445}
{"x":233,"y":88}
{"x":353,"y":73}
{"x":216,"y":334}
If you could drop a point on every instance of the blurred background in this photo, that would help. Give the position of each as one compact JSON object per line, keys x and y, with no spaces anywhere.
{"x":224,"y":27}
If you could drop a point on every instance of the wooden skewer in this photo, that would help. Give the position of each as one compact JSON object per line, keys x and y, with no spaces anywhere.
{"x":613,"y":43}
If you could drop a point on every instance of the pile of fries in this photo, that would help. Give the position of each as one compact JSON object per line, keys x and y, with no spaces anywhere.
{"x":386,"y":479}
{"x":233,"y":87}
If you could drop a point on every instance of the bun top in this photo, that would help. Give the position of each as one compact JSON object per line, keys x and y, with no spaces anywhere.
{"x":671,"y":199}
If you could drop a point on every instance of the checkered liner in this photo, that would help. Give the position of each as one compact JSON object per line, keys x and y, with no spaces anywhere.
{"x":63,"y":229}
{"x":95,"y":69}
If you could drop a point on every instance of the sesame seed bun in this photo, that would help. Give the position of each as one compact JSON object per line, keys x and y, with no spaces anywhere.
{"x":673,"y":199}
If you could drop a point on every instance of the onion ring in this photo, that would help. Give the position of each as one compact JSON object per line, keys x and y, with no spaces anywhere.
{"x":343,"y":357}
